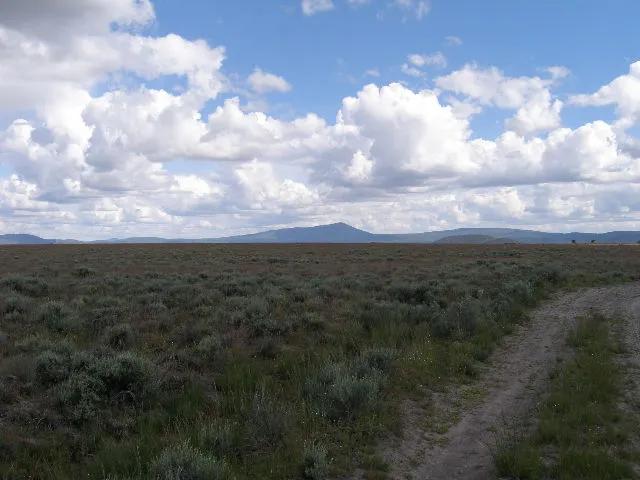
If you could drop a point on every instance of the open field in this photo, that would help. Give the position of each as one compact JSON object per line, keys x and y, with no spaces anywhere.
{"x":252,"y":361}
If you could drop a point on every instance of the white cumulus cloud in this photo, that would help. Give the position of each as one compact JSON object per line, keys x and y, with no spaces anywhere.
{"x":428,"y":60}
{"x":311,"y":7}
{"x":537,"y":110}
{"x":264,"y":82}
{"x":623,"y":92}
{"x":418,"y":8}
{"x":109,"y":130}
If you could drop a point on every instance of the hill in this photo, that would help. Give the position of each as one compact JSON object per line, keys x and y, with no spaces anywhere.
{"x":333,"y":233}
{"x":343,"y":233}
{"x":23,"y":239}
{"x":474,"y":240}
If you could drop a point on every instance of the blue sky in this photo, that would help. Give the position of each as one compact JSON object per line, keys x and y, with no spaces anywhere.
{"x":325,"y":56}
{"x":202,"y":118}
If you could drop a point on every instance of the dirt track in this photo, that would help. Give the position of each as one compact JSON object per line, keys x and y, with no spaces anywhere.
{"x":630,"y":335}
{"x":511,"y":384}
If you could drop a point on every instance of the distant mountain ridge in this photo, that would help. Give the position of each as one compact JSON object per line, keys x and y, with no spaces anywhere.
{"x":343,"y":233}
{"x":23,"y":239}
{"x":474,"y":240}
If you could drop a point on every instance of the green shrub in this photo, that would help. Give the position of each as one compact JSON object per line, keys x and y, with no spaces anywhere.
{"x":299,"y":295}
{"x":373,"y":315}
{"x":222,"y":438}
{"x":119,"y":337}
{"x":39,"y":342}
{"x":460,"y":319}
{"x":51,"y":367}
{"x":15,"y":303}
{"x":261,"y":326}
{"x":80,"y":397}
{"x":342,"y":391}
{"x":183,"y":462}
{"x":84,"y":272}
{"x":521,"y":291}
{"x":379,"y":358}
{"x":349,"y":395}
{"x":552,"y":274}
{"x":256,"y":307}
{"x":313,"y":321}
{"x":30,"y":286}
{"x":14,"y":307}
{"x":504,"y":309}
{"x":266,"y":423}
{"x":518,"y":460}
{"x":210,"y":348}
{"x":410,"y":293}
{"x":56,"y":316}
{"x":126,"y":375}
{"x":105,"y":312}
{"x":268,"y":347}
{"x":88,"y":382}
{"x":315,"y":465}
{"x":153,"y":307}
{"x":186,"y":297}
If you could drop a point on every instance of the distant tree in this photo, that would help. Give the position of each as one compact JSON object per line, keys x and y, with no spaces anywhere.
{"x":574,"y":242}
{"x":593,"y":241}
{"x":638,"y":242}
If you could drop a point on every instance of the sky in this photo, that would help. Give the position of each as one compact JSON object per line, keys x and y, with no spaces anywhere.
{"x":209,"y":117}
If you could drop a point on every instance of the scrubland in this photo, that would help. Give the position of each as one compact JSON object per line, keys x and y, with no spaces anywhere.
{"x":247,"y":361}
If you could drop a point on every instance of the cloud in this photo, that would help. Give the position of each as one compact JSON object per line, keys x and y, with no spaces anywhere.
{"x":418,"y":8}
{"x":360,"y":168}
{"x":389,"y":144}
{"x":400,"y":132}
{"x":491,"y":86}
{"x":312,"y":7}
{"x":263,"y":82}
{"x":19,"y":197}
{"x":55,"y":20}
{"x":112,"y":131}
{"x":407,"y":69}
{"x":558,"y":72}
{"x":453,"y":41}
{"x":428,"y":60}
{"x":537,"y":110}
{"x":36,"y":73}
{"x":539,"y":113}
{"x":264,"y":190}
{"x":393,"y":139}
{"x":623,"y":92}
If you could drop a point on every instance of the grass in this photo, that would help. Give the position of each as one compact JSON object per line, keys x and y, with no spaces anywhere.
{"x":581,"y":431}
{"x":246,"y":361}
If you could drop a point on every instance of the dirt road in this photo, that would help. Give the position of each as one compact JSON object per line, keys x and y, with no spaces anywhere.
{"x":511,"y":384}
{"x":630,"y":336}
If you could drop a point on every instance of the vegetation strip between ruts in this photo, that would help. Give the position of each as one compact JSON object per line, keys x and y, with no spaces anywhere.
{"x":580,"y":430}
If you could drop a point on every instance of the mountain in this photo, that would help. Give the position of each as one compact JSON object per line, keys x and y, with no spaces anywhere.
{"x":474,"y":240}
{"x":343,"y":233}
{"x":23,"y":239}
{"x":334,"y":233}
{"x":144,"y":240}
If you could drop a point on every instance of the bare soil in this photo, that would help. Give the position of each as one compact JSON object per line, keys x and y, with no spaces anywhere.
{"x":506,"y":391}
{"x":629,"y":309}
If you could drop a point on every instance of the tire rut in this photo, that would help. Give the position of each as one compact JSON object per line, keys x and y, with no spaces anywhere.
{"x":516,"y":375}
{"x":630,"y":360}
